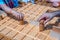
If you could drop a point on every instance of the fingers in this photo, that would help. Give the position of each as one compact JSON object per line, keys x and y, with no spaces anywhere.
{"x":40,"y":18}
{"x":46,"y":18}
{"x":18,"y":17}
{"x":21,"y":16}
{"x":47,"y":21}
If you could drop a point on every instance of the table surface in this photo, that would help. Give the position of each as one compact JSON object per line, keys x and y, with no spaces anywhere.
{"x":10,"y":29}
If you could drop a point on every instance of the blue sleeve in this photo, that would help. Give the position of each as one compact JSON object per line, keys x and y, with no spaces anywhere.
{"x":15,"y":3}
{"x":2,"y":2}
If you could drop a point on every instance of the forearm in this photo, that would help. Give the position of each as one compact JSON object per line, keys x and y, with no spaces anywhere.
{"x":7,"y":9}
{"x":56,"y":13}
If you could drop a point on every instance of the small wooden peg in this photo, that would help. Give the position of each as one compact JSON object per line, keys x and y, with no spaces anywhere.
{"x":41,"y":25}
{"x":22,"y":21}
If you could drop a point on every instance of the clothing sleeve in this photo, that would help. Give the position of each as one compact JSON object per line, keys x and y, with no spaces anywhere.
{"x":2,"y":2}
{"x":15,"y":2}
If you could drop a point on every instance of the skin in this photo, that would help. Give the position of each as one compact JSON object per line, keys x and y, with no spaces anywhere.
{"x":11,"y":11}
{"x":49,"y":16}
{"x":55,"y":3}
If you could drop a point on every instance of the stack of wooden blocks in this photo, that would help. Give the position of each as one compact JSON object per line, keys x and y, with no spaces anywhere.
{"x":10,"y":29}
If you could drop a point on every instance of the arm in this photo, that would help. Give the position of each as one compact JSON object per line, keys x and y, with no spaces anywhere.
{"x":49,"y":16}
{"x":10,"y":11}
{"x":57,"y":13}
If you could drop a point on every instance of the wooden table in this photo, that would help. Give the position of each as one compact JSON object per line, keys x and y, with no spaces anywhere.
{"x":10,"y":29}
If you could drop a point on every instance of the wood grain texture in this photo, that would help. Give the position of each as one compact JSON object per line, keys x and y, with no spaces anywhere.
{"x":12,"y":29}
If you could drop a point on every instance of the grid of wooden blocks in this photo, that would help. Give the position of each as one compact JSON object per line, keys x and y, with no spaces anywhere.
{"x":10,"y":29}
{"x":45,"y":3}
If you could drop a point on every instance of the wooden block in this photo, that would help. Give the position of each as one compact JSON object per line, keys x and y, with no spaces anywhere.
{"x":28,"y":38}
{"x":34,"y":8}
{"x":19,"y":37}
{"x":32,"y":17}
{"x":33,"y":32}
{"x":27,"y":29}
{"x":53,"y":9}
{"x":22,"y":21}
{"x":25,"y":6}
{"x":20,"y":27}
{"x":46,"y":32}
{"x":6,"y":24}
{"x":40,"y":9}
{"x":12,"y":23}
{"x":1,"y":36}
{"x":12,"y":20}
{"x":41,"y":25}
{"x":41,"y":36}
{"x":5,"y":31}
{"x":16,"y":22}
{"x":29,"y":8}
{"x":44,"y":10}
{"x":4,"y":20}
{"x":0,"y":18}
{"x":48,"y":38}
{"x":12,"y":26}
{"x":12,"y":34}
{"x":2,"y":28}
{"x":6,"y":38}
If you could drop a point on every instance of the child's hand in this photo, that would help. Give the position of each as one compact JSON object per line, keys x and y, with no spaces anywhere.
{"x":8,"y":10}
{"x":47,"y":17}
{"x":18,"y":15}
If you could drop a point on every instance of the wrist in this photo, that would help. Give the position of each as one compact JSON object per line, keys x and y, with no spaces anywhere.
{"x":56,"y":13}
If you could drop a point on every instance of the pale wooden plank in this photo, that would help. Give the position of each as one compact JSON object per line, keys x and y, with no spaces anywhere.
{"x":29,"y":8}
{"x":19,"y":37}
{"x":46,"y":32}
{"x":41,"y":36}
{"x":28,"y":38}
{"x":27,"y":29}
{"x":2,"y":28}
{"x":12,"y":34}
{"x":24,"y":7}
{"x":6,"y":38}
{"x":5,"y":31}
{"x":4,"y":20}
{"x":20,"y":27}
{"x":48,"y":38}
{"x":33,"y":32}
